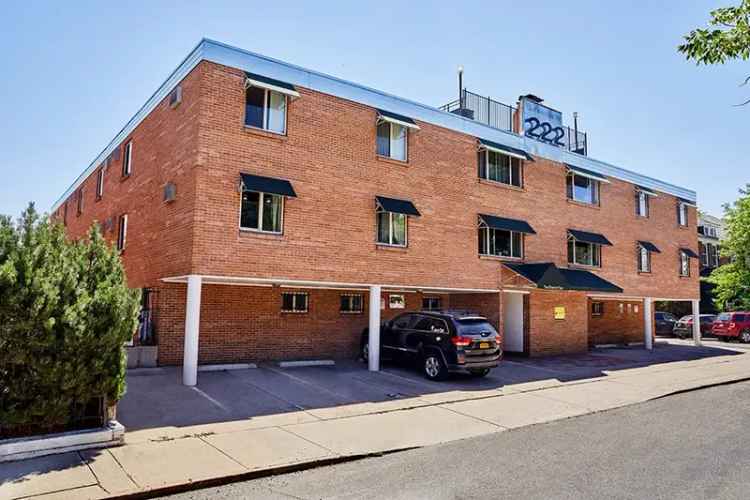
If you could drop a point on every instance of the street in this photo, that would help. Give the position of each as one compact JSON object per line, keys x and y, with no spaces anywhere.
{"x":691,"y":445}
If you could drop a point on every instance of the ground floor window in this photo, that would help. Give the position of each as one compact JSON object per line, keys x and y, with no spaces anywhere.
{"x":352,"y":303}
{"x":500,"y":243}
{"x":294,"y":302}
{"x":261,"y":212}
{"x":597,"y":308}
{"x":431,"y":303}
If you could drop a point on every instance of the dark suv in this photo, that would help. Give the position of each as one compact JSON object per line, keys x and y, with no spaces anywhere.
{"x":440,"y":341}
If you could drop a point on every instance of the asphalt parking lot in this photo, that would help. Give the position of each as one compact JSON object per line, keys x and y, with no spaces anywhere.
{"x":157,"y":398}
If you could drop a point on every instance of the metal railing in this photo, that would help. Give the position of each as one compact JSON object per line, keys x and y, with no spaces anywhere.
{"x":500,"y":116}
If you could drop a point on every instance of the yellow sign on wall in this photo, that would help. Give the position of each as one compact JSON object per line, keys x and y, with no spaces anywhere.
{"x":559,"y":312}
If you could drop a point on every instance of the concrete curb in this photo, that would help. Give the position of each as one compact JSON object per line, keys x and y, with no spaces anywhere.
{"x":256,"y":474}
{"x":38,"y":446}
{"x":226,"y":367}
{"x":299,"y":364}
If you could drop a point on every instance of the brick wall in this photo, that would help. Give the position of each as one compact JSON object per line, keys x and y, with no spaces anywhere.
{"x":548,"y":335}
{"x":621,"y":322}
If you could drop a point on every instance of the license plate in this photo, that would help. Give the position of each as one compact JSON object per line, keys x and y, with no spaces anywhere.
{"x":484,"y":345}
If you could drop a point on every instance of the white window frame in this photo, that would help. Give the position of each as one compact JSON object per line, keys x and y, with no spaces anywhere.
{"x":682,"y":210}
{"x":595,"y":186}
{"x":390,"y":229}
{"x":594,"y":248}
{"x":600,"y":305}
{"x":127,"y":158}
{"x":266,"y":105}
{"x":122,"y":232}
{"x":294,"y":309}
{"x":486,"y":243}
{"x":260,"y":229}
{"x":100,"y":184}
{"x":684,"y":264}
{"x":643,"y":204}
{"x":391,"y":124}
{"x":643,"y":251}
{"x":351,"y":310}
{"x":486,"y":155}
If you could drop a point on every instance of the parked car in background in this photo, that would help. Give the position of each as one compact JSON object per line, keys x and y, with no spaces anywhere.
{"x":732,"y":325}
{"x":440,"y":342}
{"x":664,"y":322}
{"x":684,"y":327}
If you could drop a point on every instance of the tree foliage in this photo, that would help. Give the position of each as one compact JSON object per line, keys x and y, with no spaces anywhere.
{"x":727,"y":38}
{"x":65,"y":312}
{"x":732,"y":280}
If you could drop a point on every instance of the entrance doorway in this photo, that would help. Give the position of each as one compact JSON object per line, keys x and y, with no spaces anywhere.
{"x":513,"y":322}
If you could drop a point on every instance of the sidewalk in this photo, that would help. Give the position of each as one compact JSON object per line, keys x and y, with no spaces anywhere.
{"x":176,"y":457}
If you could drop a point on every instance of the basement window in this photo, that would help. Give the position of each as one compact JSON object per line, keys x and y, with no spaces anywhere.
{"x":352,"y":303}
{"x":294,"y":302}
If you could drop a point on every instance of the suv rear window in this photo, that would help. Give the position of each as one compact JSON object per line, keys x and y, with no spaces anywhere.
{"x":724,"y":317}
{"x":739,"y":318}
{"x":474,"y":326}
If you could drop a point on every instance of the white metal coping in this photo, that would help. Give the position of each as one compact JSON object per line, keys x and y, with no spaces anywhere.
{"x":284,"y":282}
{"x":227,"y":55}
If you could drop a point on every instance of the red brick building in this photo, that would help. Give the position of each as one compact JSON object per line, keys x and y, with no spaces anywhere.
{"x":266,"y":208}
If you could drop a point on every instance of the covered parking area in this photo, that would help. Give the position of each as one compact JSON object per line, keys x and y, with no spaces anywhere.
{"x":378,"y":302}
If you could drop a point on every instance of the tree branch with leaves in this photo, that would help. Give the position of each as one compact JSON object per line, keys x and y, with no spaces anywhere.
{"x":727,"y":38}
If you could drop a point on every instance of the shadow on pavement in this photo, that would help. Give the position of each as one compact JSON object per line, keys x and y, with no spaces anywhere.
{"x":159,"y":400}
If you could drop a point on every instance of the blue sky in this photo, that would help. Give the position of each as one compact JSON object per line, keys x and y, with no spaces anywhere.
{"x":75,"y":72}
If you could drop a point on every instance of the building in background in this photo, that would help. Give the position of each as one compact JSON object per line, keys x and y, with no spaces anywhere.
{"x":710,"y":234}
{"x":273,"y":212}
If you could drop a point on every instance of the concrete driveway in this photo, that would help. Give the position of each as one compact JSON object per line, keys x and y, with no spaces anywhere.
{"x":157,"y":398}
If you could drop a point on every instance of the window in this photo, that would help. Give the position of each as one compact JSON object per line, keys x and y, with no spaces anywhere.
{"x":392,"y":140}
{"x":682,"y":214}
{"x":500,"y":243}
{"x":294,"y":302}
{"x":127,"y":160}
{"x":431,"y":303}
{"x":100,"y":184}
{"x":261,"y":212}
{"x":391,"y":228}
{"x":597,"y":308}
{"x":583,"y":254}
{"x":396,"y":301}
{"x":79,"y":207}
{"x":122,"y":232}
{"x":265,"y":109}
{"x":501,"y":168}
{"x":352,"y":303}
{"x":641,"y":203}
{"x":684,"y":264}
{"x":582,"y":189}
{"x":703,"y":254}
{"x":644,"y":260}
{"x":65,"y":214}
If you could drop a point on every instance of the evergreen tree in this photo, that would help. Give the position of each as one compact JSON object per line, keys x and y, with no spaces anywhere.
{"x":65,"y":313}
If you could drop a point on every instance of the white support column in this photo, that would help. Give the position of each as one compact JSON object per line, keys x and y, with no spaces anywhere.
{"x":696,"y":322}
{"x":192,"y":324}
{"x":648,"y":323}
{"x":373,"y":361}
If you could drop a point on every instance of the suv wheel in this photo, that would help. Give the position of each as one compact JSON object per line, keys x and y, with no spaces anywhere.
{"x":483,"y":372}
{"x":433,"y":366}
{"x":745,"y":336}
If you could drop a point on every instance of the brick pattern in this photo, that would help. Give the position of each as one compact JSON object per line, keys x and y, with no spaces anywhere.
{"x":329,"y":230}
{"x":621,"y":322}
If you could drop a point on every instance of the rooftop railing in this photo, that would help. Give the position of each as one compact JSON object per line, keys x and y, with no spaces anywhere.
{"x":500,"y":116}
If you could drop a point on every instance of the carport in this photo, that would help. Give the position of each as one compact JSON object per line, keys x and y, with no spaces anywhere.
{"x":464,"y":298}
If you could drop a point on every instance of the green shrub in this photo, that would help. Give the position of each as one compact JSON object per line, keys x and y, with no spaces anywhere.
{"x":65,"y":313}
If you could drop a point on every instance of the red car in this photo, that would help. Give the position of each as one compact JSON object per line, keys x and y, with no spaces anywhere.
{"x":734,"y":324}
